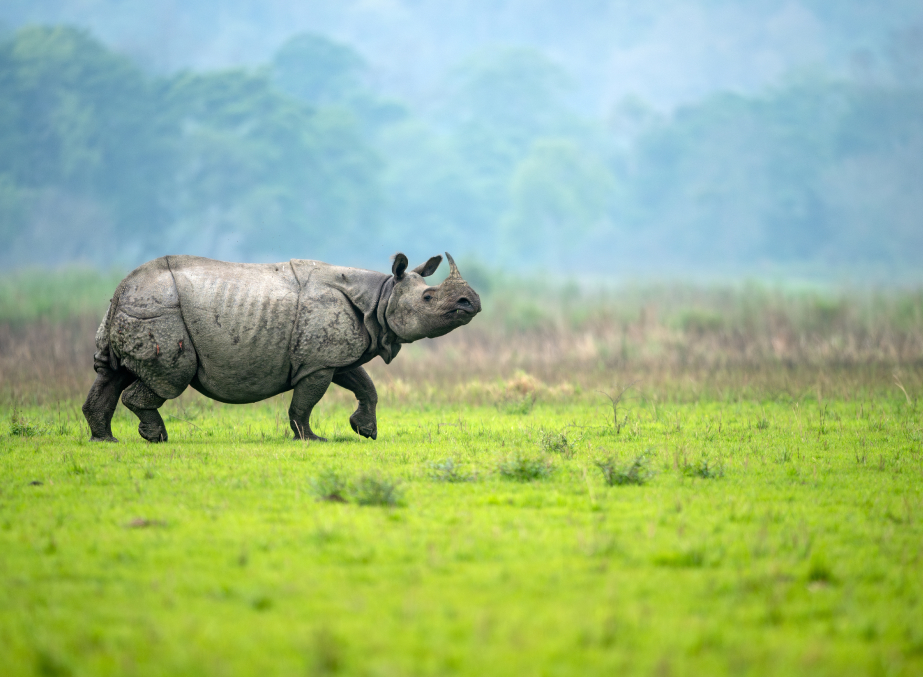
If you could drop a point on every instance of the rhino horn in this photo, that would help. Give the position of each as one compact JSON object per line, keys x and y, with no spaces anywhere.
{"x":453,"y":269}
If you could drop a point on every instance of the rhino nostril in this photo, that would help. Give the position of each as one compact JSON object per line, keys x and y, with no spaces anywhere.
{"x":464,"y":302}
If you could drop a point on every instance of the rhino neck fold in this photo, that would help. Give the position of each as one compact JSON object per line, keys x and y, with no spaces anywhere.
{"x":368,"y":292}
{"x":389,"y":342}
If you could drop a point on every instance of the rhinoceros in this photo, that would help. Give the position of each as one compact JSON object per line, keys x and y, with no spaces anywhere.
{"x":243,"y":332}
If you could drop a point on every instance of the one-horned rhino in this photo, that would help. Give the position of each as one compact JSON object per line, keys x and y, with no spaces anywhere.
{"x":242,"y":332}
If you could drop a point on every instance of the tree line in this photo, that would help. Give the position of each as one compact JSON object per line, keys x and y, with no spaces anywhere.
{"x":104,"y":162}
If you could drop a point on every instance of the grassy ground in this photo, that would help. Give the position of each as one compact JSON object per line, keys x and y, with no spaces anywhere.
{"x":765,"y":536}
{"x":754,"y":507}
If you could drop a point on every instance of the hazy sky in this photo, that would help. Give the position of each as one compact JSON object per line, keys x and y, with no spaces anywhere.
{"x":667,"y":52}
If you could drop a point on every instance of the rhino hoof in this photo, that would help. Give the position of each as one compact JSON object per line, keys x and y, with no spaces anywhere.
{"x":152,"y":434}
{"x":365,"y":431}
{"x":108,"y":438}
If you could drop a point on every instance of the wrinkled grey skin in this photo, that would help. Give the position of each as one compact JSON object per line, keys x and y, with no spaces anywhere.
{"x":242,"y":332}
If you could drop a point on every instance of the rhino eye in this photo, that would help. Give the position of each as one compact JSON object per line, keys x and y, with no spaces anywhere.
{"x":427,"y":297}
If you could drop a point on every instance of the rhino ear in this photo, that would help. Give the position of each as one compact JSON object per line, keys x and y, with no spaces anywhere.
{"x":400,"y":265}
{"x":428,"y":268}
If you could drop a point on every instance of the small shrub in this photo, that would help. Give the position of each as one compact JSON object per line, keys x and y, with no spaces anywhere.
{"x":704,"y":469}
{"x":328,"y":653}
{"x":555,"y":443}
{"x":618,"y":424}
{"x":78,"y":469}
{"x":375,"y":489}
{"x":20,"y":427}
{"x":522,"y":468}
{"x":517,"y":406}
{"x":617,"y":474}
{"x":49,"y":664}
{"x":819,"y":570}
{"x":329,"y":485}
{"x":449,"y":471}
{"x":681,"y":559}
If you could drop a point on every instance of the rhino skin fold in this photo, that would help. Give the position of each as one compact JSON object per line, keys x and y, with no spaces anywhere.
{"x":243,"y":332}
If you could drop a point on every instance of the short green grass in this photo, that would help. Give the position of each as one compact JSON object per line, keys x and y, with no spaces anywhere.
{"x":779,"y":537}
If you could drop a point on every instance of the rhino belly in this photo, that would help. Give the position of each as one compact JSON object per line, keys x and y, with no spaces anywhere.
{"x":240,"y":318}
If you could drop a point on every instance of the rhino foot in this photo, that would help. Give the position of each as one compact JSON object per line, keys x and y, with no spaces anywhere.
{"x":108,"y":438}
{"x":361,"y":425}
{"x":153,"y":434}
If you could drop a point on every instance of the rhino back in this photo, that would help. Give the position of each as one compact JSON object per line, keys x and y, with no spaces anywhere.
{"x":240,"y":317}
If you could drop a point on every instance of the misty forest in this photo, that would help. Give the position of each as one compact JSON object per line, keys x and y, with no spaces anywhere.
{"x":515,"y":154}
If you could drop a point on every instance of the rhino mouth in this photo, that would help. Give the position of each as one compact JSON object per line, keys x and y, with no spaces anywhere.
{"x":460,"y":313}
{"x":463,"y":308}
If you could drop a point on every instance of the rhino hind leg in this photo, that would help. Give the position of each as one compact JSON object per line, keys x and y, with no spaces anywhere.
{"x":307,"y":393}
{"x":144,"y":403}
{"x":363,"y":421}
{"x":104,"y":397}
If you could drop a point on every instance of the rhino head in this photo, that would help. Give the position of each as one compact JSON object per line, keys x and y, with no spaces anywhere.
{"x":418,"y":310}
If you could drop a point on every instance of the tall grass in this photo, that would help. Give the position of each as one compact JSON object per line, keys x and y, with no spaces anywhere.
{"x":539,"y":339}
{"x":35,"y":294}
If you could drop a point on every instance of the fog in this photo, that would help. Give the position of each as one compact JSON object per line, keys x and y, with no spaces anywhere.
{"x":609,"y":139}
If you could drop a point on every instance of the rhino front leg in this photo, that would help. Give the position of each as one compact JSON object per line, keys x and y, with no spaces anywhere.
{"x":306,"y":395}
{"x":144,"y":403}
{"x":363,"y":420}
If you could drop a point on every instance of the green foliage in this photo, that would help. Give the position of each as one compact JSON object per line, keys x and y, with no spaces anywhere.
{"x":615,"y":473}
{"x":265,"y":167}
{"x":330,"y":485}
{"x":519,"y":91}
{"x":98,"y":158}
{"x":704,"y":468}
{"x":819,"y":570}
{"x":318,"y":70}
{"x":555,"y":443}
{"x":103,"y":162}
{"x":368,"y":489}
{"x":701,"y":322}
{"x":20,"y":427}
{"x":558,"y":192}
{"x":517,"y":405}
{"x":34,"y":294}
{"x":377,"y":489}
{"x":688,"y":558}
{"x":82,"y":141}
{"x":768,"y":557}
{"x":521,"y":467}
{"x":449,"y":470}
{"x":795,"y":194}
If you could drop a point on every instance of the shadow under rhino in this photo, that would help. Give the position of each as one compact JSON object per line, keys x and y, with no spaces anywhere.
{"x":243,"y":332}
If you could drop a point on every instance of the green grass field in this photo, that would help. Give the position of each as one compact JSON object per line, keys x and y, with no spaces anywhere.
{"x":782,"y":536}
